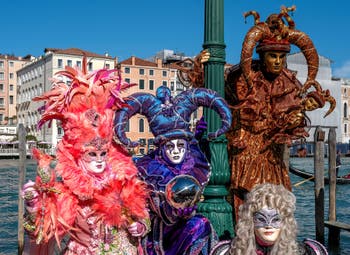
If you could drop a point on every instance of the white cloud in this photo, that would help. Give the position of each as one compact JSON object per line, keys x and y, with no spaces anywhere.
{"x":343,"y":71}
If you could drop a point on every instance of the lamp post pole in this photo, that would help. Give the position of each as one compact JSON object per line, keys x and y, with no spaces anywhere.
{"x":215,"y":207}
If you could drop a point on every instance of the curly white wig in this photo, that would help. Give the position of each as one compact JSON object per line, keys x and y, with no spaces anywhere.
{"x":271,"y":196}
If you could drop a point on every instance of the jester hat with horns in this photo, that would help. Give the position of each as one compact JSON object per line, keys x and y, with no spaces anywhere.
{"x":275,"y":35}
{"x":168,"y":117}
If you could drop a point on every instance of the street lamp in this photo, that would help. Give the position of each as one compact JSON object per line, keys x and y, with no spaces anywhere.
{"x":215,"y":207}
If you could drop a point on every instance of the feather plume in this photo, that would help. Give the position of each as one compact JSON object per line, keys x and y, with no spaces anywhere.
{"x":101,"y":89}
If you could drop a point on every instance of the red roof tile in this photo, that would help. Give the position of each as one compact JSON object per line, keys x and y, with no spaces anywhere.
{"x":138,"y":62}
{"x":76,"y":51}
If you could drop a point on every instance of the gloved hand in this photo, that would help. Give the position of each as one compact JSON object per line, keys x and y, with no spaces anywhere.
{"x":137,"y":229}
{"x":186,"y":212}
{"x":30,"y":196}
{"x":201,"y":127}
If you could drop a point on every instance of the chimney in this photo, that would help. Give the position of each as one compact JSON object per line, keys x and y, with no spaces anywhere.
{"x":159,"y":62}
{"x":116,"y":64}
{"x":133,"y":60}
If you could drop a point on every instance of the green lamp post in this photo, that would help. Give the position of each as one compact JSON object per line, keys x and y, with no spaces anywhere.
{"x":215,"y":207}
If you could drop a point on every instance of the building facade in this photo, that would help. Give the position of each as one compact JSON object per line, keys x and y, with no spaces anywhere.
{"x":345,"y":114}
{"x":9,"y":65}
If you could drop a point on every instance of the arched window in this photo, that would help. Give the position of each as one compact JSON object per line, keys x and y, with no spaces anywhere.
{"x":345,"y":110}
{"x":141,"y":125}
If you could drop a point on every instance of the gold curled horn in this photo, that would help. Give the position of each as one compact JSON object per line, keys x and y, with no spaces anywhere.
{"x":274,"y":28}
{"x":284,"y":13}
{"x":305,"y":44}
{"x":257,"y":33}
{"x":255,"y":14}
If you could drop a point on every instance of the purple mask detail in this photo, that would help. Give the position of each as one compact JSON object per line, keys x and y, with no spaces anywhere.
{"x":267,"y":218}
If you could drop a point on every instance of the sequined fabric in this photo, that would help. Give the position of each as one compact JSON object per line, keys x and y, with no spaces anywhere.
{"x":172,"y":234}
{"x":94,"y":237}
{"x":264,"y":121}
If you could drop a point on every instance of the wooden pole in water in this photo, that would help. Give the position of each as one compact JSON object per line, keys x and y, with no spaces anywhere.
{"x":332,"y":173}
{"x":286,"y":155}
{"x":21,"y":175}
{"x":333,"y":234}
{"x":319,"y":183}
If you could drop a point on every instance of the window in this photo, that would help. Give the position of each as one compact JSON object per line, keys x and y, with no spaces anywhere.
{"x":151,"y":84}
{"x":59,"y":63}
{"x":2,"y":76}
{"x":141,"y":126}
{"x":1,"y":64}
{"x":1,"y":117}
{"x":90,"y":66}
{"x":1,"y":87}
{"x":165,"y":73}
{"x":2,"y":102}
{"x":11,"y":63}
{"x":172,"y":87}
{"x":142,"y":71}
{"x":107,"y":66}
{"x":59,"y":131}
{"x":141,"y":84}
{"x":78,"y":63}
{"x":127,"y":126}
{"x":345,"y":110}
{"x":11,"y":99}
{"x":142,"y":141}
{"x":195,"y":114}
{"x":69,"y":62}
{"x":127,"y":70}
{"x":165,"y":83}
{"x":11,"y":87}
{"x":11,"y":75}
{"x":127,"y":80}
{"x":151,"y":72}
{"x":345,"y":128}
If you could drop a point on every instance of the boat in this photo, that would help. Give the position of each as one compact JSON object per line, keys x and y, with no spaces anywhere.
{"x":310,"y":176}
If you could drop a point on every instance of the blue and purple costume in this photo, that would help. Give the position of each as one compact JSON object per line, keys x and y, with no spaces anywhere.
{"x":175,"y":189}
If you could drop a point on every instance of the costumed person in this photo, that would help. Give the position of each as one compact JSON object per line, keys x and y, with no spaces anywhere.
{"x":266,"y":226}
{"x":269,"y":103}
{"x":176,"y":171}
{"x":96,"y":200}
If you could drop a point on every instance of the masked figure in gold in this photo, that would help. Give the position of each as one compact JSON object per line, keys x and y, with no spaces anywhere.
{"x":269,"y":104}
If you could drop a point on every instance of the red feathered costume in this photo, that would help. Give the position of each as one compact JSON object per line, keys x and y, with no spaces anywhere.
{"x":93,"y":210}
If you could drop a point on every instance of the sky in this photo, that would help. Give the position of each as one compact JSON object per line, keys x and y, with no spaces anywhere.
{"x":141,"y":28}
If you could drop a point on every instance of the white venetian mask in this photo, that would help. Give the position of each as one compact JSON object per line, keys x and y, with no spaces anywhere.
{"x":175,"y":150}
{"x":94,"y":161}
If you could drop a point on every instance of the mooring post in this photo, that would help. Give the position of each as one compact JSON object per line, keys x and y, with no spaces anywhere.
{"x":286,"y":155}
{"x":319,"y":138}
{"x":334,"y":233}
{"x":21,"y":176}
